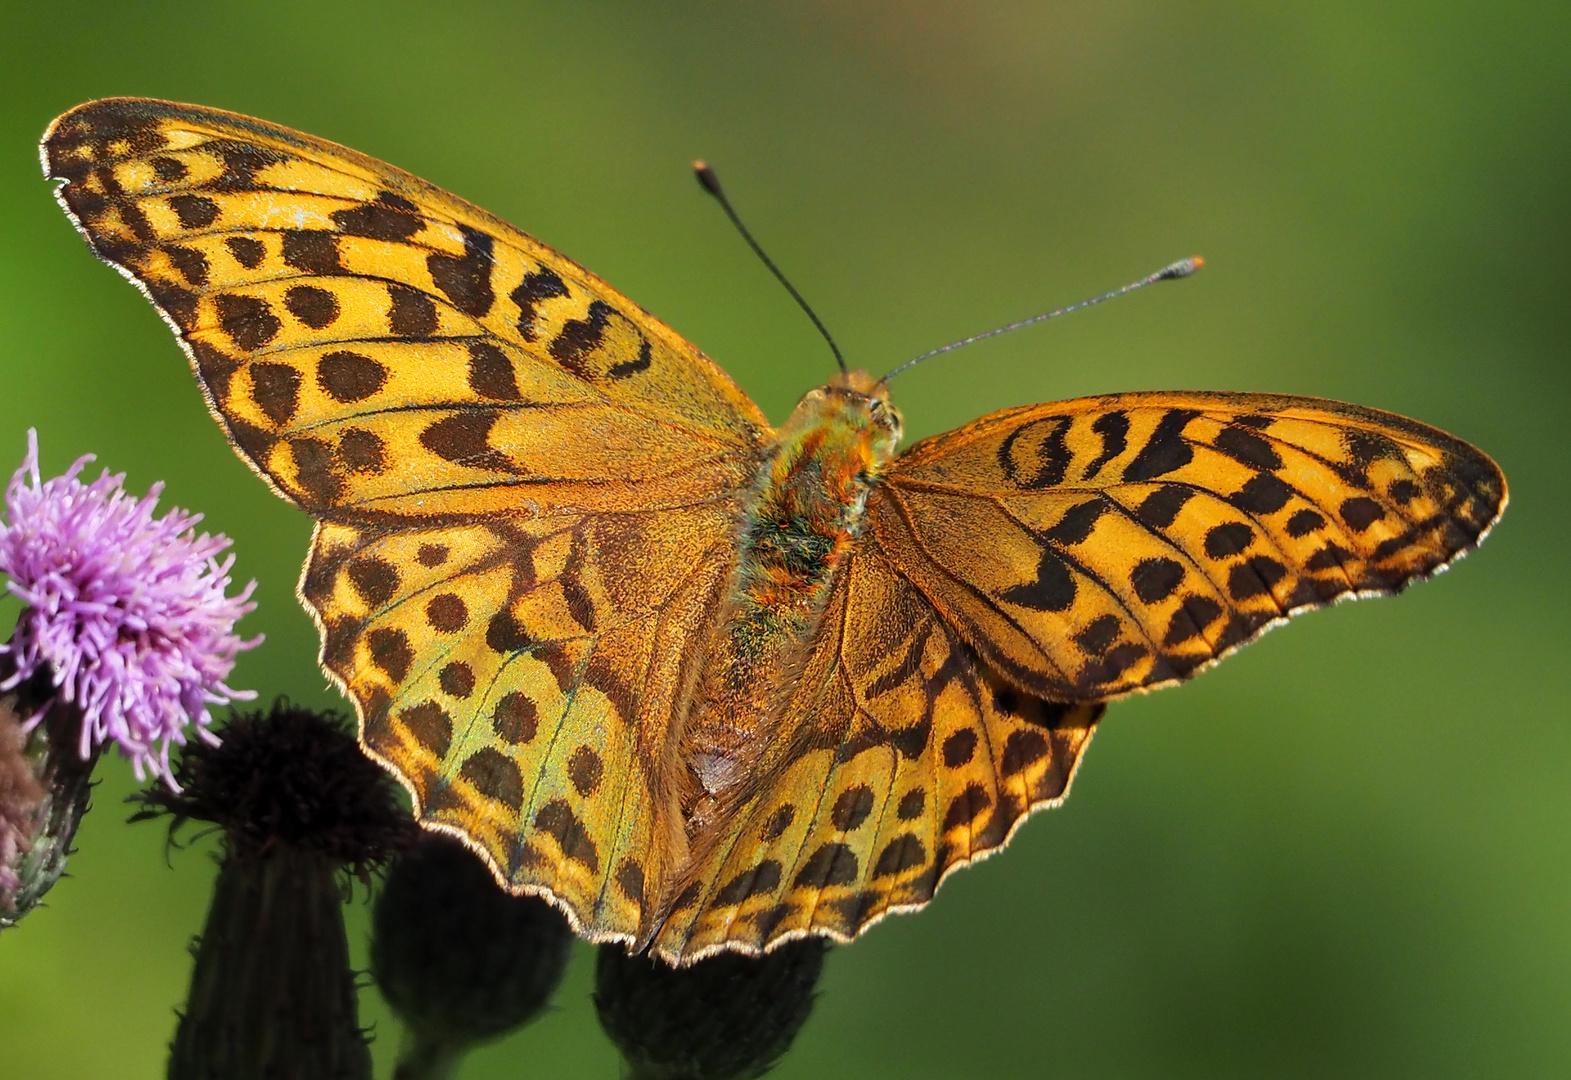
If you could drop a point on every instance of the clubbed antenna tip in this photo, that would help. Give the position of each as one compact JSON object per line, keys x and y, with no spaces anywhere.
{"x":706,"y":177}
{"x":1182,"y":268}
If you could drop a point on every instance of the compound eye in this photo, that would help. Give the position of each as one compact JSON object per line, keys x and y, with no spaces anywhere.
{"x":887,"y":416}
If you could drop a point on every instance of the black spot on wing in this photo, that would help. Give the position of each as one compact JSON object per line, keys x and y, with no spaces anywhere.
{"x":1102,"y":632}
{"x":462,"y":438}
{"x":1265,"y":493}
{"x":194,"y":211}
{"x":1155,"y":579}
{"x":1048,"y":464}
{"x":557,"y":818}
{"x":761,"y":880}
{"x":316,"y":308}
{"x":505,"y":634}
{"x":1254,"y":576}
{"x":496,"y":776}
{"x":248,"y":253}
{"x":349,"y":376}
{"x":630,"y":880}
{"x":467,"y":279}
{"x":904,"y":852}
{"x":536,"y":287}
{"x":1076,"y":524}
{"x":1360,"y":512}
{"x":391,"y":652}
{"x":191,"y":264}
{"x":1053,"y":589}
{"x":242,"y":161}
{"x":1194,"y":614}
{"x":316,"y":469}
{"x":584,"y":769}
{"x":177,"y":301}
{"x":376,"y":580}
{"x":412,"y":314}
{"x":1023,"y":749}
{"x":430,"y":725}
{"x":1228,"y":539}
{"x":315,"y":251}
{"x":1404,"y":491}
{"x":852,"y":808}
{"x":1160,"y":508}
{"x":1245,"y":446}
{"x":831,"y":864}
{"x":390,"y":217}
{"x":632,"y":367}
{"x":491,"y":372}
{"x":169,"y":170}
{"x":515,"y":718}
{"x":1304,"y":522}
{"x":1165,"y":450}
{"x":580,"y":337}
{"x":967,"y":806}
{"x":1332,"y":556}
{"x":1113,"y":427}
{"x":276,"y":390}
{"x":248,"y":320}
{"x":959,"y":748}
{"x":779,"y":822}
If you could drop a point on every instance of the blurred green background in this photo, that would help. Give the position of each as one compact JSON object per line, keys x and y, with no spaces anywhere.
{"x":1346,"y":852}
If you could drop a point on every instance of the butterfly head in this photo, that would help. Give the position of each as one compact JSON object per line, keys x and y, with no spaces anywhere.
{"x":856,"y":405}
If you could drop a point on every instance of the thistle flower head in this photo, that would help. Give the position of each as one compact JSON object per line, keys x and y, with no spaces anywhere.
{"x":291,"y":777}
{"x":127,"y":612}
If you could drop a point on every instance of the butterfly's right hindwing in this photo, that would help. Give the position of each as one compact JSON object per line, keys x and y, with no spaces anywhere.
{"x":899,"y":758}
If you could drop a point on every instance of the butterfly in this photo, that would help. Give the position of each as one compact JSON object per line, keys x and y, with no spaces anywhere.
{"x":702,"y":683}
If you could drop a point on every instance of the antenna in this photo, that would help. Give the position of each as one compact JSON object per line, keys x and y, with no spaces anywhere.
{"x":1181,"y":269}
{"x":711,"y":183}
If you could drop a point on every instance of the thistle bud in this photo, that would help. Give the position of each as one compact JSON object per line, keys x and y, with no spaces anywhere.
{"x":730,"y":1017}
{"x":44,"y":787}
{"x":272,"y":993}
{"x":458,"y":959}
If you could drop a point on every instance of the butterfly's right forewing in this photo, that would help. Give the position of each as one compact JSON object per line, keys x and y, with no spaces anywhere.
{"x":1095,"y":547}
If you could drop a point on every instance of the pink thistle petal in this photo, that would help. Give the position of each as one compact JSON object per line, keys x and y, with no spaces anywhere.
{"x":128,"y":611}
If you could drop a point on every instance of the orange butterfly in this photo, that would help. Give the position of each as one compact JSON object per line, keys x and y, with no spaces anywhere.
{"x":702,"y":683}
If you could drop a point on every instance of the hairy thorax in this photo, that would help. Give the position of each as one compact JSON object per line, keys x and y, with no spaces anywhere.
{"x":804,"y":511}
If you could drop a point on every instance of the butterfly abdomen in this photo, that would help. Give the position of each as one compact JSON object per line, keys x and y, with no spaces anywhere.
{"x":804,"y":511}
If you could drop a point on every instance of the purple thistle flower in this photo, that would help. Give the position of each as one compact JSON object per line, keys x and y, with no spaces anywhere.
{"x":127,"y":611}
